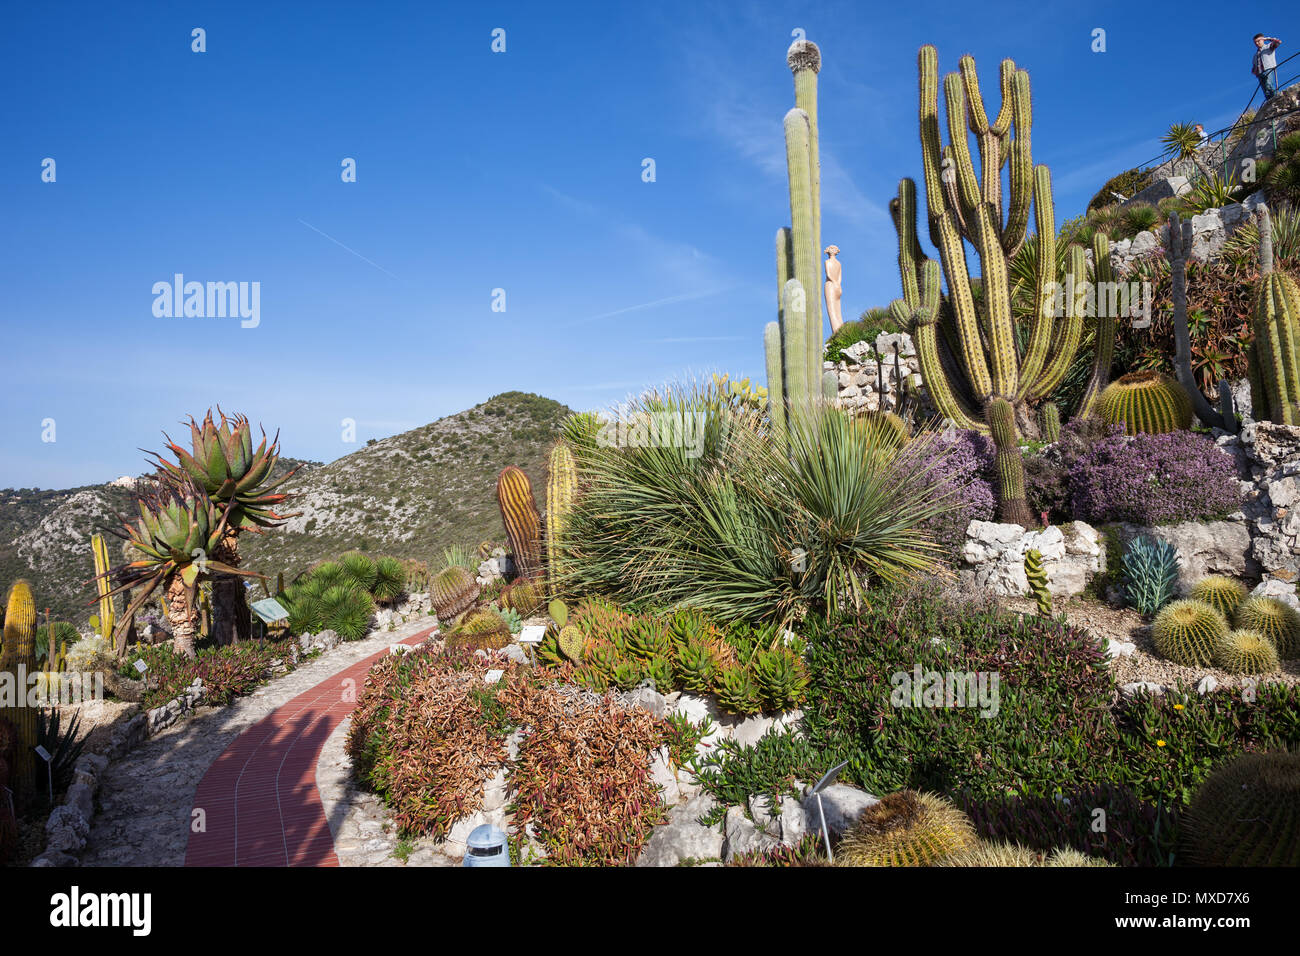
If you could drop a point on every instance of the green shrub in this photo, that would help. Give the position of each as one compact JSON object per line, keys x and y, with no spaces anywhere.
{"x":864,"y":329}
{"x":742,"y":528}
{"x":1128,"y":184}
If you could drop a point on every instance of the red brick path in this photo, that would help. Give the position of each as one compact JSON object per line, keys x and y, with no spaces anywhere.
{"x":260,"y":799}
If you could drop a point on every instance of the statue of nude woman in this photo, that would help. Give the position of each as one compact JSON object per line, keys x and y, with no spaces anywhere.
{"x":833,"y":288}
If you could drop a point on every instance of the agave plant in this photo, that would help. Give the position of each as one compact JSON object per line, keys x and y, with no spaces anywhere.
{"x":223,"y":464}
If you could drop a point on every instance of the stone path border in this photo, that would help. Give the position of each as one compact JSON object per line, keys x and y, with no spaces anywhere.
{"x":147,"y":797}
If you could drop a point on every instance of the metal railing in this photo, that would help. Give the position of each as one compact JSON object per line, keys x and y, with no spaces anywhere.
{"x":1217,"y":140}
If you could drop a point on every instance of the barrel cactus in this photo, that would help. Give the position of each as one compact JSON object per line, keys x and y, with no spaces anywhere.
{"x":1068,"y":856}
{"x":1276,"y":620}
{"x":1275,"y":370}
{"x":1247,"y":813}
{"x":1187,"y":632}
{"x":888,"y":426}
{"x":1246,"y":652}
{"x":1221,"y":593}
{"x":453,"y":592}
{"x":1146,"y":402}
{"x":906,"y":829}
{"x":522,"y":522}
{"x":984,"y":853}
{"x":483,"y":629}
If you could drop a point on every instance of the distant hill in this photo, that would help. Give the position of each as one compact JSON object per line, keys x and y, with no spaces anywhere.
{"x":411,"y":496}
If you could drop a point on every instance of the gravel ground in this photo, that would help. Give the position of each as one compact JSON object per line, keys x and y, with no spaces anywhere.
{"x":1144,"y":664}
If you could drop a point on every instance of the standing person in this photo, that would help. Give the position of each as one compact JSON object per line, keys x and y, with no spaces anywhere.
{"x":1264,"y":65}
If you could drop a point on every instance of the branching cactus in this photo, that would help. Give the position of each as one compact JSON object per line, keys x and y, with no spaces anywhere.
{"x":969,"y":357}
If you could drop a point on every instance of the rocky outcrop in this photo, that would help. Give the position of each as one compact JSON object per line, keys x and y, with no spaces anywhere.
{"x":1204,"y":547}
{"x":993,"y":557}
{"x":869,"y":377}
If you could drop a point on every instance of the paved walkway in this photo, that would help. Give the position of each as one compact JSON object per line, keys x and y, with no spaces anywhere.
{"x":250,"y":768}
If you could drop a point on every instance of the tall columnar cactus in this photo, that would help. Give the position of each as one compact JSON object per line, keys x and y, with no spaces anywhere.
{"x":793,"y":344}
{"x":1178,"y":248}
{"x":1103,"y":275}
{"x":1146,"y":402}
{"x":561,"y":491}
{"x":107,"y":618}
{"x":1037,"y":577}
{"x":522,"y":523}
{"x":19,"y":660}
{"x":1276,"y":349}
{"x":969,"y":357}
{"x":1051,"y":422}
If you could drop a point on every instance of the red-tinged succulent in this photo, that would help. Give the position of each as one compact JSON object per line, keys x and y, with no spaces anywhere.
{"x":223,"y":462}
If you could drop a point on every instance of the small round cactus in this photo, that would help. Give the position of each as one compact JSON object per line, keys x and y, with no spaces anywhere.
{"x":1246,"y":652}
{"x":454,"y":592}
{"x":1247,"y":813}
{"x":1276,"y":620}
{"x":906,"y":829}
{"x":573,"y":643}
{"x":1221,"y":593}
{"x":1146,"y":402}
{"x":1187,"y":632}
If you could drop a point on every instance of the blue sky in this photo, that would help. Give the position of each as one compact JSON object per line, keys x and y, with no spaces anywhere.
{"x":479,"y":171}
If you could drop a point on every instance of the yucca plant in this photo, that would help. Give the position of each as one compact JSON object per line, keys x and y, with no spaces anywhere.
{"x":1243,"y":245}
{"x":346,"y":611}
{"x":1211,"y":192}
{"x":1183,"y":142}
{"x":1140,"y":218}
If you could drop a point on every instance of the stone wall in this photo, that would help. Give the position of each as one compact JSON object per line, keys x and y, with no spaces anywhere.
{"x":869,"y":376}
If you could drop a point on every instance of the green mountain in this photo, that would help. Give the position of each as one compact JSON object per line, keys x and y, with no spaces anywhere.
{"x":410,"y":495}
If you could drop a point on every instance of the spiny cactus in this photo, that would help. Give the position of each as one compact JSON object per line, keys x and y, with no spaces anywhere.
{"x":1220,"y":592}
{"x":1037,"y":578}
{"x":1068,"y":856}
{"x":521,"y":520}
{"x":1104,"y":343}
{"x":1278,"y":621}
{"x":453,"y":592}
{"x":572,"y":643}
{"x":1246,"y":813}
{"x":970,"y":358}
{"x":984,"y":853}
{"x":1246,"y":652}
{"x":524,"y":596}
{"x":106,"y":619}
{"x":18,"y":659}
{"x":906,"y":829}
{"x":561,"y":492}
{"x":1187,"y":632}
{"x":1277,"y":339}
{"x":483,"y":629}
{"x":1146,"y":402}
{"x":1051,"y":422}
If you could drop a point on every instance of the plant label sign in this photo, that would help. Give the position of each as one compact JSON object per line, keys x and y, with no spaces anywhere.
{"x":269,"y":610}
{"x":532,"y":634}
{"x":492,"y":676}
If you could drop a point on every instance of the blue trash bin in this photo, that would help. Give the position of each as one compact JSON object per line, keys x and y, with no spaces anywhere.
{"x":486,"y":846}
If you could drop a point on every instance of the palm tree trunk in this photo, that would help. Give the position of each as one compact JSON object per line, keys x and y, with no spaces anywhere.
{"x":230,"y":619}
{"x":182,"y":612}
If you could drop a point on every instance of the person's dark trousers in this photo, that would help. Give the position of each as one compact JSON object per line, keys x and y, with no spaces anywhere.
{"x":1268,"y":83}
